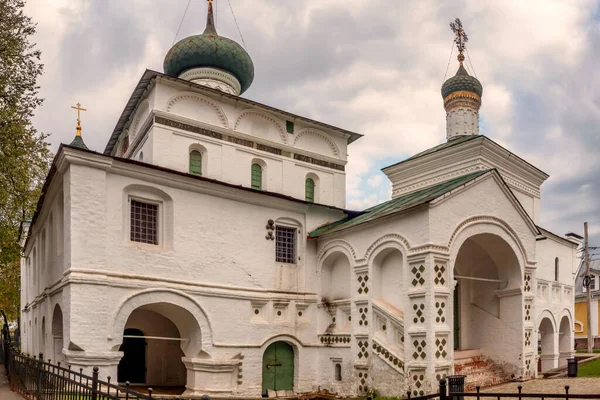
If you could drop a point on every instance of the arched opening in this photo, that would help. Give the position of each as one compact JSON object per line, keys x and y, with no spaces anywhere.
{"x":486,"y":268}
{"x":155,"y":339}
{"x":132,"y":367}
{"x":387,"y":279}
{"x":565,"y":340}
{"x":57,"y":334}
{"x":43,"y":338}
{"x":278,"y":368}
{"x":547,"y":345}
{"x":335,"y":293}
{"x":338,"y":372}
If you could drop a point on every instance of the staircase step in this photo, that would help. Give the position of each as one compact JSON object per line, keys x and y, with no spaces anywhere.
{"x":480,"y":371}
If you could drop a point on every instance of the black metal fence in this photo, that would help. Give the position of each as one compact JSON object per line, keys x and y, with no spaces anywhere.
{"x":37,"y":379}
{"x":445,"y":394}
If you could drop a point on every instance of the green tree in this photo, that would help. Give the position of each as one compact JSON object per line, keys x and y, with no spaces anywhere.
{"x":24,"y":153}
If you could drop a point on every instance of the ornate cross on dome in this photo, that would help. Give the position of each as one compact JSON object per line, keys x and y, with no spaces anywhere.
{"x":461,"y":38}
{"x":79,"y":109}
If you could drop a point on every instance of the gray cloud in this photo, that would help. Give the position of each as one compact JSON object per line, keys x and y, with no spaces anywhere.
{"x":372,"y":66}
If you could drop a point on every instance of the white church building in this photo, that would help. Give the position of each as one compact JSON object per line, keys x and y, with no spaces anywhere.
{"x":208,"y":247}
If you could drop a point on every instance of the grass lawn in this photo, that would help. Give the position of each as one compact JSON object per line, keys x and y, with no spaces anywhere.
{"x":585,"y":351}
{"x":590,"y":369}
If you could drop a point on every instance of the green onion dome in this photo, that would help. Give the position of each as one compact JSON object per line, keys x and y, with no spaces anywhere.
{"x":212,"y":51}
{"x":462,"y":82}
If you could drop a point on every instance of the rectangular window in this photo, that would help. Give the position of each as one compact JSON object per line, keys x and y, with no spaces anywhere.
{"x":256,"y":177}
{"x":285,"y":245}
{"x":144,"y":222}
{"x":593,"y":283}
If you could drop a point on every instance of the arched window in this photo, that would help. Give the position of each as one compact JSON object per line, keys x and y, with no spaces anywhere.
{"x":256,"y":176}
{"x":141,"y":156}
{"x":195,"y":162}
{"x":556,"y":269}
{"x":338,"y":372}
{"x":309,"y":190}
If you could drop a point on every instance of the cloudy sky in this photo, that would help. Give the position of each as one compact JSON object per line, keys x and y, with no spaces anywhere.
{"x":371,"y":66}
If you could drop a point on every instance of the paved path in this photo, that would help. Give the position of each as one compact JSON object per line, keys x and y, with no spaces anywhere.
{"x":5,"y":392}
{"x":576,"y":385}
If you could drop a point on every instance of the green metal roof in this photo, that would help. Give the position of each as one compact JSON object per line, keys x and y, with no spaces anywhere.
{"x":398,"y":204}
{"x":210,"y":50}
{"x":78,"y":142}
{"x":442,"y":146}
{"x":462,"y":81}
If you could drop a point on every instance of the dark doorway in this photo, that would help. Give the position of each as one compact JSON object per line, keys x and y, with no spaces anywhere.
{"x":456,"y":307}
{"x":278,"y":367}
{"x":132,"y":367}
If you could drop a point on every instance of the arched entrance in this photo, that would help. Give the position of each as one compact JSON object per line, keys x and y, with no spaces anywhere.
{"x":153,"y":340}
{"x":547,"y":345}
{"x":132,"y":367}
{"x":57,"y":334}
{"x":335,"y":293}
{"x":278,"y":367}
{"x":486,"y":268}
{"x":565,"y":340}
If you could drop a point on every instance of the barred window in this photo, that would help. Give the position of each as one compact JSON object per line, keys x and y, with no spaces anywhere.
{"x":309,"y":190}
{"x":144,"y":222}
{"x":195,"y":163}
{"x":285,"y":245}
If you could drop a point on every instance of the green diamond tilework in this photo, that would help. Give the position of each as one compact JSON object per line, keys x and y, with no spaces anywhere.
{"x":440,"y":317}
{"x":418,"y":275}
{"x":417,"y":384}
{"x":439,"y":275}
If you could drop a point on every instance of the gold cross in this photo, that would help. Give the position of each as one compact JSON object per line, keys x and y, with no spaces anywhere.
{"x":79,"y":109}
{"x":460,"y":39}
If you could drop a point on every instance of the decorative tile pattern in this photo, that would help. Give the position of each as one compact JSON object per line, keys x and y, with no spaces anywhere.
{"x":363,"y":288}
{"x":363,"y":380}
{"x":528,"y":371}
{"x":363,"y":349}
{"x":385,"y":354}
{"x":418,"y":272}
{"x":363,"y":311}
{"x":440,"y":343}
{"x":527,"y":283}
{"x":527,"y":312}
{"x":440,"y":317}
{"x":440,"y":272}
{"x":419,"y":349}
{"x":441,"y":375}
{"x":419,"y":313}
{"x":329,"y":340}
{"x":527,"y":338}
{"x":418,"y":383}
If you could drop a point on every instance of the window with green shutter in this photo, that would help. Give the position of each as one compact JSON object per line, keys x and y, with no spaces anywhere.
{"x":195,"y":162}
{"x":256,"y":177}
{"x":310,"y":190}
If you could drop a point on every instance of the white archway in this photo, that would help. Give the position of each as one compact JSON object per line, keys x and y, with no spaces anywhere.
{"x":487,"y":263}
{"x":547,"y":341}
{"x":565,"y":338}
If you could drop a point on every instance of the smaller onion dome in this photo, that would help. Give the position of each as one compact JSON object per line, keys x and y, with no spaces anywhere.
{"x":462,"y":81}
{"x":211,"y":51}
{"x":78,"y":140}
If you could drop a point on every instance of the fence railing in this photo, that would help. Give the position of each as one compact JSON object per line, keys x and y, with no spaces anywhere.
{"x":37,"y":379}
{"x":445,"y":394}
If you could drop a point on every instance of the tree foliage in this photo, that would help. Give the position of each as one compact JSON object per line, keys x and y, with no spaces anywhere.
{"x":24,"y":153}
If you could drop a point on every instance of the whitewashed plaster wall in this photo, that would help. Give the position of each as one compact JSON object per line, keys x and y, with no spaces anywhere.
{"x":229,"y":162}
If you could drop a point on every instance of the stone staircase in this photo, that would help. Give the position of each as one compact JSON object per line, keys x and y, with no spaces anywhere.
{"x":480,"y":371}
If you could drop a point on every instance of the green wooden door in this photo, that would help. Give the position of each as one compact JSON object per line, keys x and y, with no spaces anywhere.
{"x":278,"y":367}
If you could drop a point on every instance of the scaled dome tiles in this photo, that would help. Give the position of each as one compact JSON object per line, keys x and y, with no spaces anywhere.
{"x":210,"y":50}
{"x":462,"y":81}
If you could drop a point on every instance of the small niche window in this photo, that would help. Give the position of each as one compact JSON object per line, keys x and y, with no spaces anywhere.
{"x":141,"y":156}
{"x":556,"y":269}
{"x":309,"y":190}
{"x":285,"y":245}
{"x":257,"y":176}
{"x":144,"y":222}
{"x":195,"y":162}
{"x":338,"y":372}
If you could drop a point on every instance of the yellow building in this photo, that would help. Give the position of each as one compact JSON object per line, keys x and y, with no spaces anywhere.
{"x":581,"y":328}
